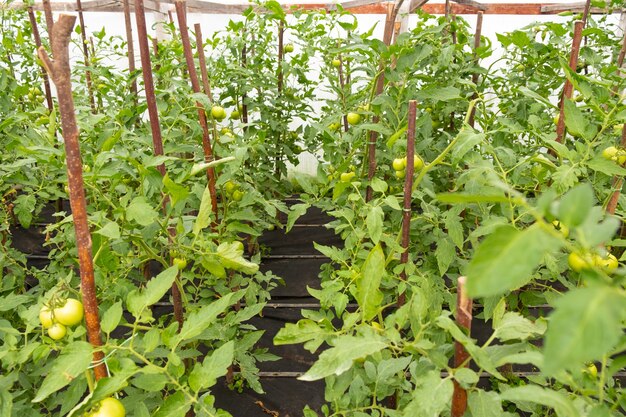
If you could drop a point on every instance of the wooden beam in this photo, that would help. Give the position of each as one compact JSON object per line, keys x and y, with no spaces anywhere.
{"x":475,"y":4}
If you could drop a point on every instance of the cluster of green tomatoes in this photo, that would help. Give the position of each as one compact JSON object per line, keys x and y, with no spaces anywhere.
{"x":399,"y":165}
{"x":67,"y":313}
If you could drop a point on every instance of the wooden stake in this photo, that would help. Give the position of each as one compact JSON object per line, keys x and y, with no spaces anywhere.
{"x":131,"y":46}
{"x":157,"y":140}
{"x":44,"y":74}
{"x":181,"y":14}
{"x":47,"y":10}
{"x":568,"y":88}
{"x":464,"y":320}
{"x":83,"y":35}
{"x":408,"y":187}
{"x":59,"y":71}
{"x":477,"y":35}
{"x":206,"y":84}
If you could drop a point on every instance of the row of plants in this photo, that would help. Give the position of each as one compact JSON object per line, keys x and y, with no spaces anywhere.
{"x":499,"y":200}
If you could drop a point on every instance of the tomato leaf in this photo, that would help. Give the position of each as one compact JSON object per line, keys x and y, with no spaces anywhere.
{"x":484,"y":404}
{"x":374,"y":223}
{"x":111,"y":318}
{"x":214,"y":366}
{"x":431,"y":396}
{"x":73,"y":361}
{"x":175,"y":405}
{"x":339,"y":358}
{"x":585,"y":325}
{"x":506,"y":259}
{"x":138,"y":300}
{"x":204,"y":214}
{"x":368,"y":293}
{"x":576,"y":205}
{"x":546,"y":397}
{"x":141,"y":211}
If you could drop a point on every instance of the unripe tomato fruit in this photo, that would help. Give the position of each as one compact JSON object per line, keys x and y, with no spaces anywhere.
{"x":180,"y":263}
{"x":235,"y":115}
{"x":400,"y":174}
{"x":577,"y":262}
{"x":609,"y":152}
{"x":608,"y":264}
{"x":336,"y":63}
{"x":288,"y":48}
{"x":218,"y":112}
{"x":347,"y":176}
{"x":237,"y":195}
{"x":592,"y":370}
{"x":229,"y":187}
{"x":109,"y":407}
{"x":418,"y":164}
{"x":334,"y":126}
{"x":354,"y":118}
{"x":399,"y":164}
{"x":45,"y":317}
{"x":57,"y":331}
{"x":70,"y":314}
{"x":621,"y":156}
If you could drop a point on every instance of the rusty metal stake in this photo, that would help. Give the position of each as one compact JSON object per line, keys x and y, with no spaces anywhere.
{"x":569,"y":88}
{"x":464,"y":320}
{"x":157,"y":140}
{"x":408,"y":187}
{"x":181,"y":14}
{"x":59,"y":71}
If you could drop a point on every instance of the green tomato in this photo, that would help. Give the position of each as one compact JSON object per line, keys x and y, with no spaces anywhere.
{"x":347,"y":176}
{"x":180,"y":263}
{"x":561,"y":227}
{"x":288,"y":48}
{"x":577,"y":262}
{"x":400,"y":174}
{"x":398,"y":164}
{"x":354,"y":118}
{"x":610,"y":152}
{"x":70,"y":313}
{"x":57,"y":331}
{"x":218,"y":112}
{"x":336,"y":63}
{"x":237,"y":195}
{"x":109,"y":407}
{"x":418,"y":164}
{"x":608,"y":264}
{"x":45,"y":317}
{"x":334,"y":126}
{"x":235,"y":115}
{"x":229,"y":187}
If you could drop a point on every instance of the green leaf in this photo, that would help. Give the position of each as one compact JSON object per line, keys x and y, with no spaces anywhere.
{"x":294,"y":214}
{"x":368,"y":293}
{"x":198,"y":321}
{"x":231,"y":256}
{"x":484,"y":404}
{"x":140,"y":211}
{"x":439,"y":93}
{"x":302,"y":331}
{"x":176,"y":405}
{"x":457,"y":198}
{"x":576,"y":122}
{"x":431,"y":396}
{"x":156,"y":288}
{"x":468,"y":138}
{"x":374,"y":223}
{"x":507,"y":258}
{"x":214,"y":366}
{"x":606,"y":166}
{"x":11,"y":301}
{"x":543,"y":396}
{"x":576,"y":205}
{"x":176,"y":192}
{"x":585,"y":325}
{"x":445,"y":254}
{"x":73,"y":361}
{"x":339,"y":358}
{"x":111,"y":318}
{"x":513,"y":326}
{"x":110,"y":230}
{"x":530,"y":93}
{"x":394,"y":138}
{"x":204,"y":214}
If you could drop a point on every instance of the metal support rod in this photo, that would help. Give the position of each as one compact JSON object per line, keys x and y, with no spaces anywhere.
{"x":59,"y":71}
{"x":461,"y":357}
{"x":157,"y":140}
{"x":181,"y":14}
{"x":408,"y":187}
{"x":568,"y":88}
